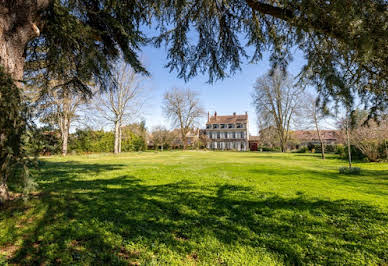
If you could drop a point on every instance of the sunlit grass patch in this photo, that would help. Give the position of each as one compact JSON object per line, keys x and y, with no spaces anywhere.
{"x":199,"y":208}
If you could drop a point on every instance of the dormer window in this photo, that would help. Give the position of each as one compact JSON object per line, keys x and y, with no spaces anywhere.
{"x":223,"y":126}
{"x":239,"y":125}
{"x":230,"y":126}
{"x":215,"y":125}
{"x":207,"y":126}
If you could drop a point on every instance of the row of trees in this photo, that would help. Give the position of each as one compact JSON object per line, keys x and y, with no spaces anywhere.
{"x":61,"y":108}
{"x":282,"y":105}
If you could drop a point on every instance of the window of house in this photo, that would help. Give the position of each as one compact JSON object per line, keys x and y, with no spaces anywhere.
{"x":218,"y":135}
{"x":215,"y":125}
{"x":234,"y":135}
{"x":208,"y":126}
{"x":238,"y":126}
{"x":230,"y":125}
{"x":222,"y":125}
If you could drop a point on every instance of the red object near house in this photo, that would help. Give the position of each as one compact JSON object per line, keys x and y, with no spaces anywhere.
{"x":253,"y":146}
{"x":253,"y":143}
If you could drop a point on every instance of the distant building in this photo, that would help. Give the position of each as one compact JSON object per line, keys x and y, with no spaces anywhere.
{"x":228,"y":132}
{"x":305,"y":137}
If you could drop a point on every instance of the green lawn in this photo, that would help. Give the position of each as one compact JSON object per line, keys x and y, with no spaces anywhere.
{"x":199,"y":208}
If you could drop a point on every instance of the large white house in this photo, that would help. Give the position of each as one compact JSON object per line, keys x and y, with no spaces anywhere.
{"x":229,"y":132}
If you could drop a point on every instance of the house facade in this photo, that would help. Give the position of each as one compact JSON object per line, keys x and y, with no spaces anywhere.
{"x":229,"y":132}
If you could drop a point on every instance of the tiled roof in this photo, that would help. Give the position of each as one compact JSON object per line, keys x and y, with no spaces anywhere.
{"x":228,"y":119}
{"x":312,"y":135}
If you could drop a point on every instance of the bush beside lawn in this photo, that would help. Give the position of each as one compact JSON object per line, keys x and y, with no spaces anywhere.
{"x":199,"y":208}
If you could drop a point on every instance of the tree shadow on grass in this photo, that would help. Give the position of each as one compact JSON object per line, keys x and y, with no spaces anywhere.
{"x":122,"y":220}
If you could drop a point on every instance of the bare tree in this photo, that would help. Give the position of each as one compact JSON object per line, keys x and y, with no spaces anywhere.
{"x":268,"y":136}
{"x":183,"y":108}
{"x":161,"y":136}
{"x":122,"y":101}
{"x":368,"y":135}
{"x":59,"y":107}
{"x":277,"y":103}
{"x":315,"y":115}
{"x":345,"y":125}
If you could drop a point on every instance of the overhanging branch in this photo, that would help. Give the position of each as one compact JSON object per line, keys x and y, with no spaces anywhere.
{"x":288,"y":15}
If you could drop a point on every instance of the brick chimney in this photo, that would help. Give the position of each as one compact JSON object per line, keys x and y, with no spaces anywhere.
{"x":215,"y":115}
{"x":208,"y":116}
{"x":246,"y":113}
{"x":234,"y":113}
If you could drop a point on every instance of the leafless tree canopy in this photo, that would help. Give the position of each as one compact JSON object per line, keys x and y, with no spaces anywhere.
{"x":277,"y":103}
{"x":370,"y":137}
{"x":123,"y":101}
{"x":183,"y":108}
{"x":59,"y":106}
{"x":161,"y":136}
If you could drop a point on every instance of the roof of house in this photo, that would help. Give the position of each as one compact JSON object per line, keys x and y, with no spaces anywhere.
{"x":227,"y":119}
{"x":312,"y":134}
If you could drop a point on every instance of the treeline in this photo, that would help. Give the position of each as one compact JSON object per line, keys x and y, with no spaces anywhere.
{"x":381,"y":151}
{"x":48,"y":141}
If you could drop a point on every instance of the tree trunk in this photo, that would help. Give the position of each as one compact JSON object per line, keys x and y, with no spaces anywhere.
{"x":11,"y":58}
{"x":183,"y":137}
{"x":117,"y":137}
{"x":4,"y":194}
{"x":18,"y":25}
{"x":321,"y":141}
{"x":65,"y":139}
{"x":348,"y":140}
{"x":120,"y":137}
{"x":323,"y":150}
{"x":282,"y":142}
{"x":18,"y":19}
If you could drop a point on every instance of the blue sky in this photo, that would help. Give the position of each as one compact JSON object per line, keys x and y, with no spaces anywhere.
{"x":233,"y":94}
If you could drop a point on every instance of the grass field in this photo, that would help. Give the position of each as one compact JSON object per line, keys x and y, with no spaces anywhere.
{"x":198,"y":208}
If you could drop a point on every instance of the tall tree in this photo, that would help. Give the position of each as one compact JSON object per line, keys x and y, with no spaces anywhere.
{"x":183,"y":108}
{"x":277,"y":102}
{"x":122,"y":101}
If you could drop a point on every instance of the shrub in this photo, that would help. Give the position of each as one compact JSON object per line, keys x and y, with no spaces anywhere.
{"x":302,"y":150}
{"x":350,"y":170}
{"x":330,"y":148}
{"x":92,"y":141}
{"x":100,"y":141}
{"x":355,"y":152}
{"x":46,"y":142}
{"x":264,"y":148}
{"x":340,"y":149}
